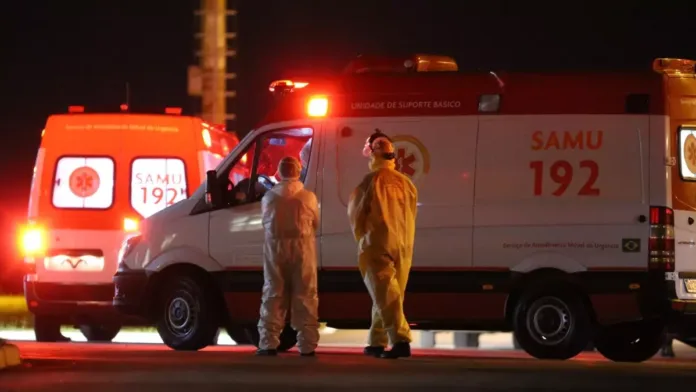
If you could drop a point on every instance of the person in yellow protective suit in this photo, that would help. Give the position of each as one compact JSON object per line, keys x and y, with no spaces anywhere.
{"x":382,"y":213}
{"x":290,"y":220}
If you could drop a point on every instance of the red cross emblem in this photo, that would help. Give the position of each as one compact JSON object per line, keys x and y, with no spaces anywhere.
{"x":84,"y":181}
{"x":404,"y":162}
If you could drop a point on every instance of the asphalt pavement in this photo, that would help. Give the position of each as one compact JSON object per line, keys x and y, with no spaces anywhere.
{"x":154,"y":368}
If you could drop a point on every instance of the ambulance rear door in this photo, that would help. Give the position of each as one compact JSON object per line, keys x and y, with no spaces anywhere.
{"x":78,"y":198}
{"x":163,"y":163}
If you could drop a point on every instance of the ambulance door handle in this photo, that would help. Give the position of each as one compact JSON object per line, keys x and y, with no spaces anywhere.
{"x":691,"y":221}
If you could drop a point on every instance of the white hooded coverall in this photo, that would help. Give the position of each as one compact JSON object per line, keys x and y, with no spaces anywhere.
{"x":290,"y":219}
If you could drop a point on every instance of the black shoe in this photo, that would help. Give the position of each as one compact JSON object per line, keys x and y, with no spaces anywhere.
{"x":312,"y":354}
{"x":266,"y":353}
{"x":373,"y":351}
{"x":399,"y":350}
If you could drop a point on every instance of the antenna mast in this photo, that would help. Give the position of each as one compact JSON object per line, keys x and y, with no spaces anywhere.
{"x":209,"y":80}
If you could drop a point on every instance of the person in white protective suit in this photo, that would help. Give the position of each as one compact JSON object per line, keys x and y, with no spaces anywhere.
{"x":382,"y":213}
{"x":290,"y":220}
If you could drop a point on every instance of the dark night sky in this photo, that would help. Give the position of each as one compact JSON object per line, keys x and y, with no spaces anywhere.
{"x":58,"y":53}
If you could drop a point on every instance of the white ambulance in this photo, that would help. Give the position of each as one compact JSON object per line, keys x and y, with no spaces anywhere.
{"x":96,"y":176}
{"x":549,"y":205}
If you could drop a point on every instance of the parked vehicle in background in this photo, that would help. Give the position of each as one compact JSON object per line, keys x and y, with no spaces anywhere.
{"x":97,"y":175}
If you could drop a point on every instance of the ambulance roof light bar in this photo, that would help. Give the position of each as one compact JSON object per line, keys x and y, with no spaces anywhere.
{"x":414,"y":63}
{"x":285,"y":86}
{"x":672,"y":66}
{"x":76,"y":109}
{"x":174,"y":111}
{"x":433,"y":63}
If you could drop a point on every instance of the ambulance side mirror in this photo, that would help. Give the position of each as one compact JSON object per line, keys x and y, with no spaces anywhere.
{"x":213,"y":195}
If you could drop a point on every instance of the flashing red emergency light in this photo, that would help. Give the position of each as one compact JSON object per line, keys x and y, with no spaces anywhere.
{"x":317,"y":106}
{"x":286,"y":85}
{"x":674,"y":66}
{"x":175,"y":111}
{"x":124,"y":107}
{"x":413,"y":63}
{"x":76,"y":109}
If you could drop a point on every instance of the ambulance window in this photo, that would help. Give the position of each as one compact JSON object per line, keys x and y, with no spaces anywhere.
{"x":242,"y":168}
{"x":84,"y":182}
{"x":687,"y":156}
{"x":274,"y":146}
{"x":209,"y":161}
{"x":277,"y":145}
{"x":157,"y":183}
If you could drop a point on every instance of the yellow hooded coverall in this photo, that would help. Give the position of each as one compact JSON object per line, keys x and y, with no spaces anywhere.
{"x":382,"y":213}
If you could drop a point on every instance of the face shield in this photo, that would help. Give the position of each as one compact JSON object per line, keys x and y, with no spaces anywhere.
{"x":367,"y":149}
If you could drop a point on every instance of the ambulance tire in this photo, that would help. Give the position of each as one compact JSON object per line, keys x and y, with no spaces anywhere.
{"x":100,"y":332}
{"x":188,"y":318}
{"x":552,"y":324}
{"x":631,"y":342}
{"x":288,"y":338}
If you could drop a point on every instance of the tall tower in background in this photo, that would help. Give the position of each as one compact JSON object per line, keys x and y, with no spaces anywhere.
{"x":213,"y":79}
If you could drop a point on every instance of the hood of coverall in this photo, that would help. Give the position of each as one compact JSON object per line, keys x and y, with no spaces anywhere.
{"x":377,"y":160}
{"x":286,"y":188}
{"x":289,"y":168}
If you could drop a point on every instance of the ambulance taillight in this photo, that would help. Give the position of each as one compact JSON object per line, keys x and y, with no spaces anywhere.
{"x":130,"y":225}
{"x":661,"y":241}
{"x":32,"y":241}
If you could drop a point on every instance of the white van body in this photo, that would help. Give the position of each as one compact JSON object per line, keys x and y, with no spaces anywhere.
{"x":543,"y":216}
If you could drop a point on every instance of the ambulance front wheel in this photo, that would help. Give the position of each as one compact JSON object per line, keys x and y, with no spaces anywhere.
{"x":288,"y":338}
{"x":631,"y":342}
{"x":100,"y":332}
{"x":187,"y":318}
{"x":552,"y":324}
